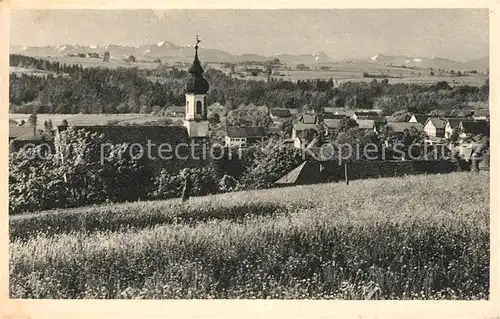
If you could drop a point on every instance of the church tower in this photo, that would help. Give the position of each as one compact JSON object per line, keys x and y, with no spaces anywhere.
{"x":196,"y":100}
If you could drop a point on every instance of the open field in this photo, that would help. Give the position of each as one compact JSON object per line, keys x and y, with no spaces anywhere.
{"x":339,"y":72}
{"x":417,"y":237}
{"x":89,"y":119}
{"x":354,"y":72}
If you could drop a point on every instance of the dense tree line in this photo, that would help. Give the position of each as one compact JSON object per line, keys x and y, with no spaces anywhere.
{"x":73,"y":89}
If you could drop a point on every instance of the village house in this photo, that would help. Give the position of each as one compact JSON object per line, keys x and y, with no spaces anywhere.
{"x":244,"y":136}
{"x":418,"y":118}
{"x":367,"y":115}
{"x":331,"y":125}
{"x":298,"y":128}
{"x":280,"y":114}
{"x":452,"y":124}
{"x":398,"y":129}
{"x":308,"y":119}
{"x":370,"y":124}
{"x":435,"y":127}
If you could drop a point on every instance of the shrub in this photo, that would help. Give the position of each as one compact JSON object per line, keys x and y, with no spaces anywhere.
{"x":80,"y":173}
{"x":269,"y":164}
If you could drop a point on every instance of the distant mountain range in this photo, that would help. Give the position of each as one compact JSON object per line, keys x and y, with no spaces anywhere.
{"x":172,"y":52}
{"x":480,"y":65}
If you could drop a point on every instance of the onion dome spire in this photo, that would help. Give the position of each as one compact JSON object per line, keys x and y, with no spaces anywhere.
{"x":197,"y":83}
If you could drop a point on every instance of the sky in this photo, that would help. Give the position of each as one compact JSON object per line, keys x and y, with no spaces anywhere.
{"x":459,"y":34}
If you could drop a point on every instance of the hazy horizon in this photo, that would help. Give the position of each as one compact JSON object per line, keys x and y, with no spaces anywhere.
{"x":458,"y":34}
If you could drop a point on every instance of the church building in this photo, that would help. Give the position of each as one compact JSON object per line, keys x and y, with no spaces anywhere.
{"x":196,"y":121}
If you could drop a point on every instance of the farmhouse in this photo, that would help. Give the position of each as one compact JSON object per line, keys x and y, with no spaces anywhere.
{"x":435,"y":127}
{"x":245,"y":136}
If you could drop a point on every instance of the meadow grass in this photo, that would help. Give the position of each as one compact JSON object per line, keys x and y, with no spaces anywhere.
{"x":416,"y":237}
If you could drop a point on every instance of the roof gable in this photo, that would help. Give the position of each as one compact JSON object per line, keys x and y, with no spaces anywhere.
{"x":306,"y":173}
{"x":436,"y":122}
{"x":420,"y":118}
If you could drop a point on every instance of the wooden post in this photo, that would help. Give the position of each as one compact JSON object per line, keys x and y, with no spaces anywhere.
{"x":346,"y":174}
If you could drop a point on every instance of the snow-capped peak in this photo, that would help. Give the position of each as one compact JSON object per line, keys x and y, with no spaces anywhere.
{"x":417,"y":60}
{"x":160,"y":44}
{"x":93,"y":46}
{"x":62,"y":48}
{"x":374,"y":58}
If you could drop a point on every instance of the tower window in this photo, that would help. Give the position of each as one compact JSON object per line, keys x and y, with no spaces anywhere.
{"x":198,"y":107}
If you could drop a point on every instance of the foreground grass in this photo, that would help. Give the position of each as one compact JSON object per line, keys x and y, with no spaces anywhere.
{"x":418,"y":237}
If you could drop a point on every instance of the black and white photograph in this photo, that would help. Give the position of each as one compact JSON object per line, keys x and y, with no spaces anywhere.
{"x":290,"y":154}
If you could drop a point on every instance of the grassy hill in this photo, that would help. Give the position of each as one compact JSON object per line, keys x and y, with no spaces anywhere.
{"x":417,"y":237}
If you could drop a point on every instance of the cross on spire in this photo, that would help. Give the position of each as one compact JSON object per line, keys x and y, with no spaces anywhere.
{"x":197,"y":41}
